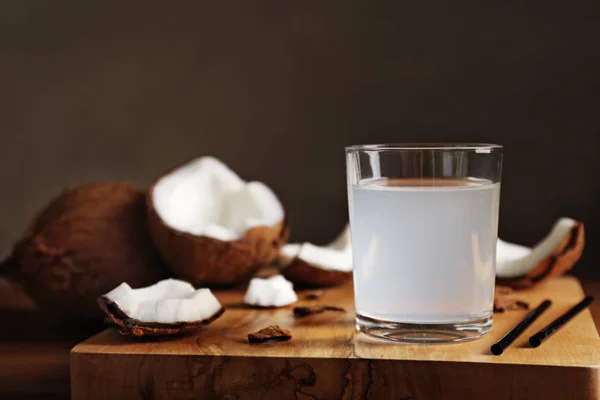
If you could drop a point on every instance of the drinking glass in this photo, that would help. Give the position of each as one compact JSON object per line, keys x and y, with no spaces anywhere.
{"x":424,"y":226}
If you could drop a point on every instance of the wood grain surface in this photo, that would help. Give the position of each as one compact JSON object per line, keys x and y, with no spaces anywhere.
{"x":326,"y":359}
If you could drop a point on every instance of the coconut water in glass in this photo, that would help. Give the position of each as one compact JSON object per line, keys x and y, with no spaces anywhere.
{"x":424,"y":222}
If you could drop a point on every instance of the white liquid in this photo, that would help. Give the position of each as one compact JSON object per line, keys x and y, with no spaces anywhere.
{"x":424,"y":254}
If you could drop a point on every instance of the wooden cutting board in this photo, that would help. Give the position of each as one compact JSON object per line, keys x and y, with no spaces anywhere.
{"x":327,"y":359}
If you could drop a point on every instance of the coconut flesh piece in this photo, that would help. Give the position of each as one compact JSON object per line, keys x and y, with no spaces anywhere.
{"x":307,"y":264}
{"x":520,"y":266}
{"x":167,"y":307}
{"x":275,"y":291}
{"x":206,"y":198}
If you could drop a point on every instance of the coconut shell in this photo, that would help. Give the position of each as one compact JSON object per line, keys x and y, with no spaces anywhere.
{"x":205,"y":261}
{"x":134,"y":327}
{"x":305,"y":274}
{"x":271,"y":333}
{"x":87,"y":241}
{"x":563,"y":258}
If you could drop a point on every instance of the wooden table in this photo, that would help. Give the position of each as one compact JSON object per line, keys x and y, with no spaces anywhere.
{"x":34,"y":352}
{"x":328,"y":359}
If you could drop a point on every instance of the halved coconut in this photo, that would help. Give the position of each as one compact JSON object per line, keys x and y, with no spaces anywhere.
{"x":309,"y":265}
{"x":521,"y":267}
{"x":275,"y":291}
{"x":211,"y":227}
{"x":166,"y":308}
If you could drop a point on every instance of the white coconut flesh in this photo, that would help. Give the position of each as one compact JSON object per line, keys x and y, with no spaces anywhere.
{"x":337,"y":255}
{"x":206,"y":198}
{"x":513,"y":260}
{"x":168,"y":301}
{"x":275,"y":291}
{"x":287,"y":253}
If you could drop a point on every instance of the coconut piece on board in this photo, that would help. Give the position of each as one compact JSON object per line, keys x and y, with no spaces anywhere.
{"x":166,"y":308}
{"x":275,"y":291}
{"x":309,"y":265}
{"x":212,"y":227}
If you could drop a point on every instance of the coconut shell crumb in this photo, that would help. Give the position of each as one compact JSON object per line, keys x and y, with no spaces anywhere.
{"x":314,"y":295}
{"x":503,"y":290}
{"x":505,"y":303}
{"x":272,"y":333}
{"x":300,"y":312}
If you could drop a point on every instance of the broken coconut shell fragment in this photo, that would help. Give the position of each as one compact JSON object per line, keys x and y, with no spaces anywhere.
{"x":522,"y":267}
{"x":213,"y":228}
{"x":504,"y":303}
{"x":316,"y":295}
{"x":272,"y":333}
{"x":502,"y":290}
{"x":89,"y":239}
{"x":318,"y":266}
{"x":305,"y":311}
{"x":169,"y":307}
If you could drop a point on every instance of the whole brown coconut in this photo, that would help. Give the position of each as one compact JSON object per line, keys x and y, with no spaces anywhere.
{"x":86,"y":242}
{"x":206,"y":188}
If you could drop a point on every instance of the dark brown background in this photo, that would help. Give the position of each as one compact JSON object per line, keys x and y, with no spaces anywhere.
{"x":100,"y":90}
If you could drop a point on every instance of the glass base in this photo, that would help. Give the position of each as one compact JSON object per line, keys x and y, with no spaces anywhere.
{"x":424,"y":333}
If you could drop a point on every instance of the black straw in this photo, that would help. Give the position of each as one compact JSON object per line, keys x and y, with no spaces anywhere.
{"x":498,"y":348}
{"x":555,"y":325}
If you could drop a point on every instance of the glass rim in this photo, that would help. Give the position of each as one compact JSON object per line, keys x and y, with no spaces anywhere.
{"x":424,"y":146}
